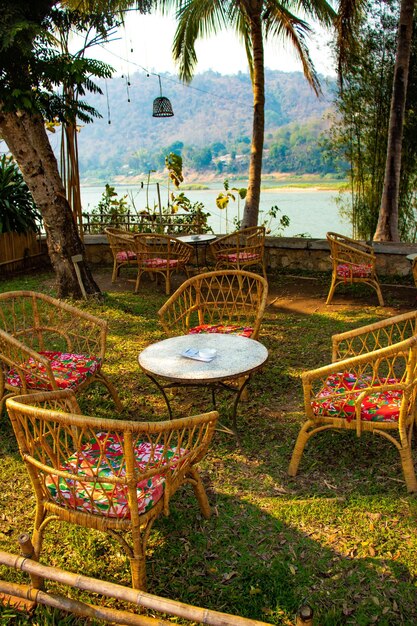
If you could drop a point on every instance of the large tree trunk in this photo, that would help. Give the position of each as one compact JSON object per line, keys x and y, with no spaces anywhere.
{"x":387,"y":227}
{"x":251,"y":211}
{"x":26,"y":137}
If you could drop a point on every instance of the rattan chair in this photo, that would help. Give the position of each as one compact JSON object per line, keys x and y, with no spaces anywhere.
{"x":161,"y":254}
{"x":122,"y":248}
{"x":110,"y":475}
{"x":47,"y":344}
{"x":352,"y":262}
{"x":221,"y":301}
{"x":240,"y":250}
{"x":370,"y":387}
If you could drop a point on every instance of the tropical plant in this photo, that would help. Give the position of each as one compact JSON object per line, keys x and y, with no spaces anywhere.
{"x":18,"y":213}
{"x":253,"y":21}
{"x":360,"y":130}
{"x":110,"y":211}
{"x":387,"y":227}
{"x":32,"y":69}
{"x":222,"y":200}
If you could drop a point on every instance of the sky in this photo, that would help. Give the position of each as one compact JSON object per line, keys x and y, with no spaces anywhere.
{"x":146,"y":41}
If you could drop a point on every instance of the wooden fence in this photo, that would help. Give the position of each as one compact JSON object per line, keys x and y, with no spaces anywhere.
{"x":20,"y":251}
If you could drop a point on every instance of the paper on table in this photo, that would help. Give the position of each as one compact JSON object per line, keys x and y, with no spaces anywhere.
{"x":191,"y":353}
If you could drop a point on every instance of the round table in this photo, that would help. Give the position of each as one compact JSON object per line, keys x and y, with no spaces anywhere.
{"x":196,"y":241}
{"x":236,"y":357}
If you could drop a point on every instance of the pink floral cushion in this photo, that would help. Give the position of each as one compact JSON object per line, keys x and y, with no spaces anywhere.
{"x":349,"y":270}
{"x":69,"y":370}
{"x":157,"y":262}
{"x":125,"y":255}
{"x":378,"y":406}
{"x":242,"y":256}
{"x":224,"y":329}
{"x":103,"y":458}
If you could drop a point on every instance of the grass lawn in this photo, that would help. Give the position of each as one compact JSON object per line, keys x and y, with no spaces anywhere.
{"x":341,"y":536}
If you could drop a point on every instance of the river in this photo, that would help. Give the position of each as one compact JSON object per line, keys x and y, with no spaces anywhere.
{"x":312,"y":212}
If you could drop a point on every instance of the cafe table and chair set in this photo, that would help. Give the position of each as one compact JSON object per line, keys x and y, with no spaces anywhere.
{"x":118,"y":475}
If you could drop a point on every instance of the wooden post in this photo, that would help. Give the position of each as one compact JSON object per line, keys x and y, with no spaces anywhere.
{"x":27,"y":550}
{"x":304,"y":616}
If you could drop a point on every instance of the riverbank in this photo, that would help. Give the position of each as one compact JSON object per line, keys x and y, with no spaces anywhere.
{"x":198,"y":181}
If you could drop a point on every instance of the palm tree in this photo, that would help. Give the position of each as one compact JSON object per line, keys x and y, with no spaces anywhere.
{"x":387,"y":227}
{"x":348,"y":14}
{"x":254,"y":21}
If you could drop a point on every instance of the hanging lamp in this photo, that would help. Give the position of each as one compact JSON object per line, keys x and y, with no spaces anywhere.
{"x":162,"y":107}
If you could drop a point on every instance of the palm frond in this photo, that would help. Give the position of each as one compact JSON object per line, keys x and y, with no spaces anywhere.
{"x":200,"y":18}
{"x":282,"y":24}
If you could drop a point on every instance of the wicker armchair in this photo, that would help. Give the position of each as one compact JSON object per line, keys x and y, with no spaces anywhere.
{"x":241,"y":249}
{"x":370,"y":387}
{"x":161,"y":254}
{"x":47,"y":344}
{"x":352,"y":262}
{"x":122,"y":248}
{"x":221,"y":301}
{"x":110,"y":475}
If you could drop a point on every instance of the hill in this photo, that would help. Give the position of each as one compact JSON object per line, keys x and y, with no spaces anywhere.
{"x":211,"y":126}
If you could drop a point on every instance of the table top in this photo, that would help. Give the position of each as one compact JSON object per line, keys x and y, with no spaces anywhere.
{"x":236,"y":356}
{"x":197,"y":239}
{"x":411,"y":257}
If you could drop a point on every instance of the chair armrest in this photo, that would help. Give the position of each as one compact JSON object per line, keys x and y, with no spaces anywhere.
{"x":63,"y":400}
{"x":15,"y":354}
{"x":374,"y":336}
{"x":391,"y":362}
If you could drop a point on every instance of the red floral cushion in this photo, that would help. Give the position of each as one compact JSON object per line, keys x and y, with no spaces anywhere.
{"x":104,"y":458}
{"x":377,"y":406}
{"x":242,"y":256}
{"x":69,"y":370}
{"x":228,"y":329}
{"x":125,"y":255}
{"x":349,"y":270}
{"x":160,"y":262}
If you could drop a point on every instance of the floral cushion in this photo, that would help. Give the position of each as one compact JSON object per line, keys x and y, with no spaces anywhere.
{"x":224,"y":329}
{"x":69,"y":370}
{"x":352,"y":270}
{"x":103,"y":458}
{"x":378,"y":406}
{"x":157,"y":262}
{"x":125,"y":255}
{"x":242,"y":256}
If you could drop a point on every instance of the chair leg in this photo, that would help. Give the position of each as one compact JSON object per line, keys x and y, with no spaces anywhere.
{"x":115,"y":272}
{"x":379,"y":294}
{"x":138,"y":571}
{"x":408,"y":469}
{"x":331,"y":291}
{"x":200,"y":492}
{"x":112,"y":390}
{"x":303,"y":437}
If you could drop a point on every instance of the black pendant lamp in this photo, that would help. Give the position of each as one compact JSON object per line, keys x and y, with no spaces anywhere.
{"x":162,"y":107}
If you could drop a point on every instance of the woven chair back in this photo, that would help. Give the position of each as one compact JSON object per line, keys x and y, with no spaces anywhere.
{"x":44,"y":323}
{"x":227,"y":297}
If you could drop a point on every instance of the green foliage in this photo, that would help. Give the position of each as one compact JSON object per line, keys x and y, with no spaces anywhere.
{"x":173,"y":163}
{"x":18,"y":212}
{"x":110,"y":211}
{"x":359,"y":134}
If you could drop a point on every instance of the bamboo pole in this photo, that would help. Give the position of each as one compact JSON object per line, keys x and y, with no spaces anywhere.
{"x":126,"y":594}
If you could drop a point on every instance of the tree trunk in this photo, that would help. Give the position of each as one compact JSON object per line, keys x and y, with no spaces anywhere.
{"x":26,"y":137}
{"x":251,"y":211}
{"x":387,"y":227}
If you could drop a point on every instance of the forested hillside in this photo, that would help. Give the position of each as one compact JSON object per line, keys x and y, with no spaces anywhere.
{"x":211,"y":126}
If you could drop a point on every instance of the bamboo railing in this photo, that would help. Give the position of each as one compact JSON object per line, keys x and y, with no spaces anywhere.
{"x":141,"y":599}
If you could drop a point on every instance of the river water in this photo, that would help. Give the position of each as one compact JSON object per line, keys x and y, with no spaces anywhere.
{"x":311,"y":212}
